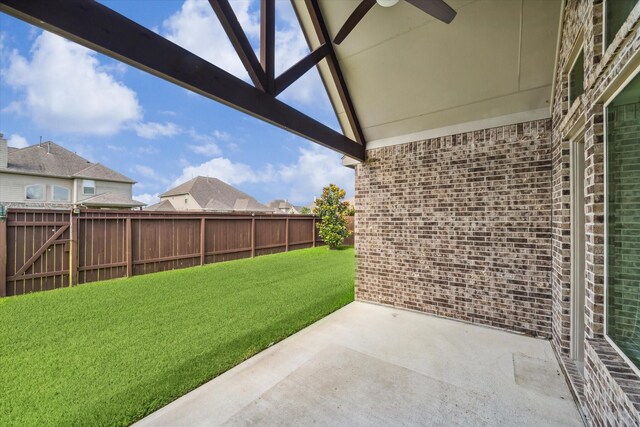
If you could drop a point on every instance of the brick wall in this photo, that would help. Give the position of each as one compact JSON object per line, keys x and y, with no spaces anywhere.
{"x":611,"y":387}
{"x":459,"y":227}
{"x":610,"y":399}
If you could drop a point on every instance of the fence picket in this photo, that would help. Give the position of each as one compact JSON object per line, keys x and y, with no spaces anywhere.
{"x":106,"y":244}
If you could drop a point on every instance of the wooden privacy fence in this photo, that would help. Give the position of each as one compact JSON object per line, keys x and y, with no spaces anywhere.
{"x":48,"y":249}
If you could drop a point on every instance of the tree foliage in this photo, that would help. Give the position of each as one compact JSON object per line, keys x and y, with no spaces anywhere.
{"x":351,"y":211}
{"x":332,"y":210}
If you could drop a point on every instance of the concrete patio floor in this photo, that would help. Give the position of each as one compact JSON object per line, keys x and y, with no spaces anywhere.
{"x":373,"y":365}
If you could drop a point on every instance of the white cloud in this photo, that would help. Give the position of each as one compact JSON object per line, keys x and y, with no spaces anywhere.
{"x":147,"y":198}
{"x":209,"y":149}
{"x":153,"y":130}
{"x":145,"y":171}
{"x":221,"y":135}
{"x":116,"y":148}
{"x":196,"y":28}
{"x":150,"y":174}
{"x":14,"y":107}
{"x":17,"y":141}
{"x":147,"y":150}
{"x":208,"y":142}
{"x":315,"y":168}
{"x":227,"y":171}
{"x":66,"y":89}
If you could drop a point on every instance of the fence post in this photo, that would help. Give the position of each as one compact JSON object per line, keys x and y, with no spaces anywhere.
{"x":202,"y":239}
{"x":3,"y":256}
{"x":253,"y":237}
{"x":286,"y":235}
{"x":313,"y":231}
{"x":129,"y":247}
{"x":74,"y":254}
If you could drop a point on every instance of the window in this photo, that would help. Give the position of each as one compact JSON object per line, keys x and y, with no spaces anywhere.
{"x":623,"y":221}
{"x":34,"y":192}
{"x":88,"y":186}
{"x":616,"y":12}
{"x":60,"y":194}
{"x":576,"y":78}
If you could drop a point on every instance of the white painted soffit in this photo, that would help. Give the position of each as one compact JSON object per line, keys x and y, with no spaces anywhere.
{"x":409,"y":75}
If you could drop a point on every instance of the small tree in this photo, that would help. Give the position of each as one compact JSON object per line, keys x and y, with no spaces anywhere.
{"x":351,"y":211}
{"x":331,"y":209}
{"x":305,"y":211}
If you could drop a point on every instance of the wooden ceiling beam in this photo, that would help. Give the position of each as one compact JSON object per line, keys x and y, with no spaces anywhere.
{"x":297,"y":70}
{"x":334,"y":67}
{"x":240,"y":42}
{"x":100,"y":28}
{"x":268,"y":41}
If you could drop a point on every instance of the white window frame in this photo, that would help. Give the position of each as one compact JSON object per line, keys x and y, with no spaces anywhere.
{"x":53,"y":193}
{"x":44,"y":192}
{"x":609,"y":100}
{"x":84,"y":181}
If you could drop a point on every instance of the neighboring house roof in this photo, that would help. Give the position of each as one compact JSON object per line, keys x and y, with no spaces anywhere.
{"x":164,"y":205}
{"x":216,"y":195}
{"x":111,"y":200}
{"x":51,"y":159}
{"x":284,"y":206}
{"x":101,"y":172}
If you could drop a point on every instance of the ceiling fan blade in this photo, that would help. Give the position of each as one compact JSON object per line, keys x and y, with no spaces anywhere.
{"x":436,"y":8}
{"x":353,"y":20}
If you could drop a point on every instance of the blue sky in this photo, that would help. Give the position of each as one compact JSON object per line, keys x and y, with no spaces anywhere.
{"x":153,"y":131}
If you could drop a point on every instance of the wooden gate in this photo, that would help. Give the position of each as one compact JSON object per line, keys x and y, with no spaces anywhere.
{"x":37,"y":251}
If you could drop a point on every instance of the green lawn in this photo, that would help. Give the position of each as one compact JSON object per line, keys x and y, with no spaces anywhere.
{"x":109,"y":353}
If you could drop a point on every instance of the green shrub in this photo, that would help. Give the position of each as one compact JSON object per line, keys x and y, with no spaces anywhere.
{"x":332,"y":210}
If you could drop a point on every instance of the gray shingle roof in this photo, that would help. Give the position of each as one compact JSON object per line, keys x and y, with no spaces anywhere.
{"x":98,"y":171}
{"x":164,"y":205}
{"x":52,"y":159}
{"x":279,"y":204}
{"x":283,"y":206}
{"x":213,"y":194}
{"x":111,"y":199}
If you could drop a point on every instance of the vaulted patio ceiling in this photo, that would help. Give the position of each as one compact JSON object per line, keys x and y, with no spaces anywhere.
{"x":411,"y":76}
{"x":400,"y":75}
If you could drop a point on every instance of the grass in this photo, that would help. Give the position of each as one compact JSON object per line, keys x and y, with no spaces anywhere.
{"x":109,"y":353}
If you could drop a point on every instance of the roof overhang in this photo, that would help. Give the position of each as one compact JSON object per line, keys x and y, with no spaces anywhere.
{"x":411,"y":77}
